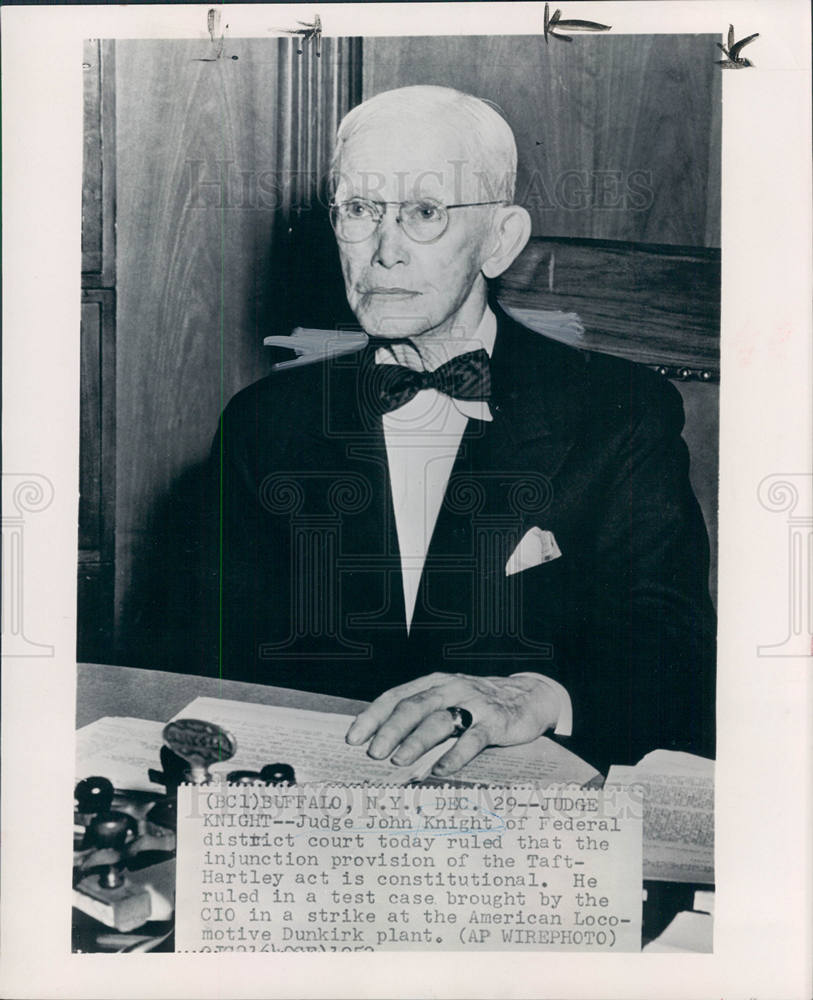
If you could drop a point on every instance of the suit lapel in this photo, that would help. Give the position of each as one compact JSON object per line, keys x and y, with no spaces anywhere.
{"x":536,"y":422}
{"x":502,"y":476}
{"x":502,"y":481}
{"x":533,"y":382}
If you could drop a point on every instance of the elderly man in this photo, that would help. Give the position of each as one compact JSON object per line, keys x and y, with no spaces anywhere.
{"x":488,"y":533}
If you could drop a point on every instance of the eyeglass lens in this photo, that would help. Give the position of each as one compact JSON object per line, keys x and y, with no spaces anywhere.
{"x":356,"y":220}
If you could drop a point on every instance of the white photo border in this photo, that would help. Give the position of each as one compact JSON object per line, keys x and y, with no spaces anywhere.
{"x":764,"y":900}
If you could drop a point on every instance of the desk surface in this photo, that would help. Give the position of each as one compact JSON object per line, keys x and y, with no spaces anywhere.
{"x":158,"y":695}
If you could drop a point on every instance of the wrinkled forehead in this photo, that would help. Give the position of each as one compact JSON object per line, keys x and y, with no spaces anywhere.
{"x":392,"y":161}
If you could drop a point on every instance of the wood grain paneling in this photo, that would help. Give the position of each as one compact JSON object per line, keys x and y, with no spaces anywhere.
{"x":715,"y":168}
{"x":90,"y":432}
{"x":218,"y":163}
{"x":197,"y":154}
{"x":96,"y":472}
{"x":97,"y":485}
{"x":618,"y":135}
{"x":654,"y":305}
{"x":92,"y":159}
{"x":99,"y":161}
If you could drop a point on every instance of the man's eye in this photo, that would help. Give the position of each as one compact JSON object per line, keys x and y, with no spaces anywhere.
{"x":356,"y":209}
{"x":426,"y":212}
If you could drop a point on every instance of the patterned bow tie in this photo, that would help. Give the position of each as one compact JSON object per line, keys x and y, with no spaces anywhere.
{"x":465,"y":377}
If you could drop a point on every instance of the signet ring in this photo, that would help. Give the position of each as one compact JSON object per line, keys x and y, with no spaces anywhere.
{"x":462,"y":719}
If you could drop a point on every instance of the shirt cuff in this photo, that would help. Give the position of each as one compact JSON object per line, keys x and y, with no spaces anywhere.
{"x":564,"y":724}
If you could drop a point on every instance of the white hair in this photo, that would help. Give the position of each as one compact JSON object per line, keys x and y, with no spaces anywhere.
{"x":483,"y":133}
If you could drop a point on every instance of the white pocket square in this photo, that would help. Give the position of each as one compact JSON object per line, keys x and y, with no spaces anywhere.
{"x":537,"y":547}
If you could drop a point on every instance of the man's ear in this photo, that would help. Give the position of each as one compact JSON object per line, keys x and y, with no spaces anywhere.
{"x":510,"y":232}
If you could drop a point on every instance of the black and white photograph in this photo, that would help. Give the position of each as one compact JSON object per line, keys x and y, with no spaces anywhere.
{"x":471,"y":480}
{"x":401,"y":618}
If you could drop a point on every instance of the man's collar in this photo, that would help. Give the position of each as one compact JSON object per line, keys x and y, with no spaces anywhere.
{"x":435,"y":352}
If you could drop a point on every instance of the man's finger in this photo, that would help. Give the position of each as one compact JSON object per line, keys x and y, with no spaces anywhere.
{"x":434,"y":729}
{"x":368,"y":721}
{"x":408,"y":713}
{"x":465,"y":749}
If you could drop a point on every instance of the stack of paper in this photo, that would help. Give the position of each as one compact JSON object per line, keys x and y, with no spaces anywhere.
{"x":677,"y":790}
{"x":312,"y":743}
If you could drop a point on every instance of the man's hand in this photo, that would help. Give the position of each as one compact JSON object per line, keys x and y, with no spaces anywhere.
{"x":412,"y":718}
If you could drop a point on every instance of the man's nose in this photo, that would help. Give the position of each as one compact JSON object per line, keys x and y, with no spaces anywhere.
{"x":390,"y":240}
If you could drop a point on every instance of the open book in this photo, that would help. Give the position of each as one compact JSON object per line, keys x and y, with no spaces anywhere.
{"x":312,"y":743}
{"x":677,"y":791}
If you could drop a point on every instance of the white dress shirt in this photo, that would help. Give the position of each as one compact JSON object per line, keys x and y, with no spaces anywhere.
{"x":422,"y":439}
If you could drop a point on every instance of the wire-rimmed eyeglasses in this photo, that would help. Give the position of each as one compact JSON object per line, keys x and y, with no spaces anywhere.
{"x":423,"y":221}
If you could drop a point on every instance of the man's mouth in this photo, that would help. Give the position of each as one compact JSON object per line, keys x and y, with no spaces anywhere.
{"x":398,"y":293}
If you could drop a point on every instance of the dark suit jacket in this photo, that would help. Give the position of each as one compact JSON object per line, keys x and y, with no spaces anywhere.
{"x":585,"y":446}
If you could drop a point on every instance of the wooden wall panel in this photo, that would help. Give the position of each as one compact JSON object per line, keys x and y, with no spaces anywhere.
{"x":96,"y":475}
{"x":90,"y":431}
{"x":194,"y":236}
{"x":715,"y":168}
{"x":618,"y":135}
{"x":654,"y":305}
{"x":95,"y":633}
{"x":217,"y":162}
{"x":99,"y":174}
{"x":92,"y":159}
